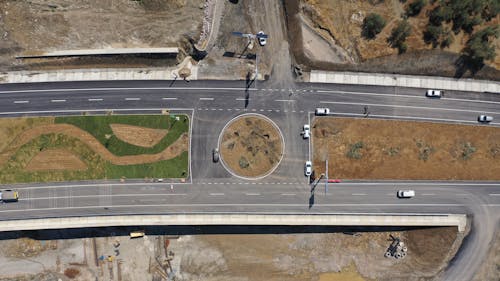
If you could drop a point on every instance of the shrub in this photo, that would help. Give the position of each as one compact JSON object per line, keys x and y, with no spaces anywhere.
{"x":372,"y":25}
{"x":415,"y":7}
{"x":354,"y":150}
{"x":398,"y":36}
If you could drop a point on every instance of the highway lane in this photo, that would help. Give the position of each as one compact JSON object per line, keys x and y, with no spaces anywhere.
{"x":214,"y":103}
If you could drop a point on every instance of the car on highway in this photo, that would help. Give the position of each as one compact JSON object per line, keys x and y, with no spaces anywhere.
{"x":406,"y":193}
{"x":306,"y":131}
{"x":308,"y":168}
{"x":322,"y":111}
{"x":262,"y":40}
{"x":8,"y":195}
{"x":434,"y":93}
{"x":215,"y":155}
{"x":484,"y":118}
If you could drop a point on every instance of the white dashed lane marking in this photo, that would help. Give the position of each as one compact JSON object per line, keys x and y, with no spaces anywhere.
{"x":21,"y":101}
{"x":57,"y":100}
{"x":206,"y":98}
{"x":132,"y":99}
{"x":216,"y":194}
{"x":252,"y":194}
{"x":169,"y":98}
{"x":94,"y":99}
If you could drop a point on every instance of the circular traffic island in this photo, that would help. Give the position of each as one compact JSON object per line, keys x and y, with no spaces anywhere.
{"x":251,"y":146}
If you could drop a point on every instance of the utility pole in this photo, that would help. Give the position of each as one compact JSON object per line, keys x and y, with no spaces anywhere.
{"x":256,"y":68}
{"x":326,"y":177}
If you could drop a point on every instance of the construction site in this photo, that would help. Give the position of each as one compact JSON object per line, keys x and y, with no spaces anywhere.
{"x":157,"y":253}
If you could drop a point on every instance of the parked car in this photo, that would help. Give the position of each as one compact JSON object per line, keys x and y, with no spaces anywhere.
{"x":484,"y":118}
{"x":215,"y":155}
{"x":306,"y":133}
{"x":434,"y":93}
{"x":406,"y":193}
{"x":322,"y":111}
{"x":308,"y":168}
{"x":262,"y":40}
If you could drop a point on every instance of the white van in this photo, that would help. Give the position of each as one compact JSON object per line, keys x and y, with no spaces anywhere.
{"x":322,"y":111}
{"x":406,"y":193}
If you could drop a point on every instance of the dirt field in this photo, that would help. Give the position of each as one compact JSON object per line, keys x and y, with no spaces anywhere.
{"x":381,"y":149}
{"x":139,"y":136}
{"x":251,"y":146}
{"x":272,"y":257}
{"x":39,"y":26}
{"x":336,"y":24}
{"x":55,"y":159}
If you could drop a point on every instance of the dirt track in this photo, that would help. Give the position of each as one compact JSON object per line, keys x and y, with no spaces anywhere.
{"x":138,"y":136}
{"x":175,"y":149}
{"x":55,"y":159}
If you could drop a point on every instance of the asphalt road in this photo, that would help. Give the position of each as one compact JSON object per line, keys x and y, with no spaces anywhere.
{"x":212,"y":189}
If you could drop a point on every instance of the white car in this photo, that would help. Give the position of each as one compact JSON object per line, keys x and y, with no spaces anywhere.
{"x":433,"y":93}
{"x":406,"y":193}
{"x":484,"y":118}
{"x":308,"y":168}
{"x":306,"y":131}
{"x":322,"y":111}
{"x":262,"y":40}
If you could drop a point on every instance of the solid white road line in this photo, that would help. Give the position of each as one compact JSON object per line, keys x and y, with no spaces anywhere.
{"x":410,"y":118}
{"x":408,"y":106}
{"x":206,"y":98}
{"x":168,"y":98}
{"x":89,"y":110}
{"x":404,"y":96}
{"x":21,"y":101}
{"x":247,"y":205}
{"x":131,"y":99}
{"x":120,"y":89}
{"x":94,"y":99}
{"x":57,"y":100}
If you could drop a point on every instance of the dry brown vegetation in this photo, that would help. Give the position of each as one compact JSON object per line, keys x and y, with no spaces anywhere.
{"x":251,"y":146}
{"x":139,"y":136}
{"x":343,"y":20}
{"x":382,"y":149}
{"x":56,"y":159}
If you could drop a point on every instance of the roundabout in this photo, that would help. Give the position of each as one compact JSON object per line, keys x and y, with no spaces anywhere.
{"x":251,"y":146}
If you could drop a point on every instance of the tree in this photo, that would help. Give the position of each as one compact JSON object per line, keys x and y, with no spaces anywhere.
{"x":398,"y":36}
{"x":480,"y":47}
{"x":415,"y":7}
{"x":437,"y":35}
{"x":372,"y":25}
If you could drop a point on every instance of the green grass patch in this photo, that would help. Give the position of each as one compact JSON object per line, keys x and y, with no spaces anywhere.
{"x":97,"y":168}
{"x":99,"y":127}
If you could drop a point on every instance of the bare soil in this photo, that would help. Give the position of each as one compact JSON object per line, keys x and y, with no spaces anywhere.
{"x":490,"y":269}
{"x":273,"y":257}
{"x":56,"y":159}
{"x":139,"y":136}
{"x":175,"y":149}
{"x":405,"y":150}
{"x":338,"y":23}
{"x":33,"y":27}
{"x":251,"y":146}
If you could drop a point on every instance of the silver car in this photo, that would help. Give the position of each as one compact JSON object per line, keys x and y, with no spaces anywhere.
{"x":484,"y":118}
